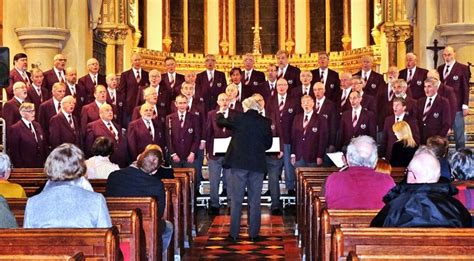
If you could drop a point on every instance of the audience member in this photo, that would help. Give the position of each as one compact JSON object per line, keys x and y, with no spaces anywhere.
{"x":405,"y":146}
{"x":138,"y":180}
{"x":439,"y":146}
{"x":63,"y":203}
{"x":7,"y":220}
{"x":422,"y":201}
{"x":340,"y":189}
{"x":7,"y":189}
{"x":462,"y":167}
{"x":99,"y":165}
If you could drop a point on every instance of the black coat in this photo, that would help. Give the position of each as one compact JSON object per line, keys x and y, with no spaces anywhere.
{"x":251,"y":137}
{"x":133,"y":182}
{"x":422,"y":205}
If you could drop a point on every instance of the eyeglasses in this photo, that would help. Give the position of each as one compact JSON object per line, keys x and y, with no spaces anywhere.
{"x":408,"y":171}
{"x":28,"y":110}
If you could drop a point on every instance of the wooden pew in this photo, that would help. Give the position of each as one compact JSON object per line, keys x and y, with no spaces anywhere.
{"x":94,"y":243}
{"x":128,"y":225}
{"x":401,"y":254}
{"x":425,"y":241}
{"x":146,"y":207}
{"x":79,"y":256}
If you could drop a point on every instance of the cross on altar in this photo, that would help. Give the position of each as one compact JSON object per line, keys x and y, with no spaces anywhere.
{"x":435,"y":48}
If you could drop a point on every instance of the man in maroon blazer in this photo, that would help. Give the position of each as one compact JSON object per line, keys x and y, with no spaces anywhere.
{"x":10,"y":112}
{"x":268,"y":88}
{"x":115,"y":98}
{"x":159,"y":113}
{"x":356,"y":122}
{"x":64,"y":126}
{"x":232,"y":91}
{"x":92,"y":78}
{"x":215,"y":161}
{"x":210,"y":83}
{"x":388,"y":136}
{"x":19,"y":72}
{"x":343,"y":103}
{"x":107,"y":128}
{"x":368,"y":101}
{"x":57,"y":73}
{"x":373,"y":81}
{"x":143,"y":131}
{"x":414,"y":76}
{"x":289,"y":72}
{"x":243,"y":91}
{"x":447,"y":92}
{"x":26,"y":141}
{"x":456,"y":75}
{"x":91,"y":112}
{"x":130,"y":81}
{"x":434,"y":116}
{"x":183,"y":134}
{"x":52,"y":106}
{"x":251,"y":77}
{"x":385,"y":96}
{"x":164,"y":94}
{"x":328,"y":77}
{"x":36,"y":93}
{"x":287,"y":107}
{"x":78,"y":91}
{"x":305,"y":88}
{"x":309,"y":136}
{"x":171,"y":80}
{"x":327,"y":109}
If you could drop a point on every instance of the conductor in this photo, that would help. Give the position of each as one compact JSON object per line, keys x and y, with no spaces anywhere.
{"x":251,"y":137}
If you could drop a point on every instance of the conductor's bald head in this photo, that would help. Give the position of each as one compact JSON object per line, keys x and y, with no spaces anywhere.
{"x":251,"y":104}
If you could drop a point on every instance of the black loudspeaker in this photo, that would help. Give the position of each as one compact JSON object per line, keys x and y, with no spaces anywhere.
{"x":4,"y":68}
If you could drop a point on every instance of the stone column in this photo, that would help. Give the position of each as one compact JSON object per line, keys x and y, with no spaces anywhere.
{"x":166,"y":26}
{"x":154,"y":25}
{"x":359,"y":25}
{"x":346,"y":37}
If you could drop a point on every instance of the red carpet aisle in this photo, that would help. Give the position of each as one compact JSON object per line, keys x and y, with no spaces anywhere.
{"x":277,"y":240}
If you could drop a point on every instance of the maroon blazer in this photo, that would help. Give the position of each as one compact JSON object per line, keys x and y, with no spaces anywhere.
{"x":297,"y":92}
{"x":24,"y":150}
{"x":389,"y":138}
{"x":264,"y":90}
{"x":458,"y":78}
{"x":89,"y":86}
{"x":374,"y":84}
{"x":46,"y":111}
{"x":183,"y":140}
{"x":60,"y":131}
{"x":138,"y":137}
{"x":89,"y":113}
{"x":118,"y":107}
{"x":164,"y":99}
{"x":309,"y":143}
{"x":332,"y":84}
{"x":328,"y":112}
{"x":50,"y":78}
{"x":368,"y":102}
{"x":256,"y":78}
{"x":411,"y":108}
{"x":208,"y":92}
{"x":215,"y":131}
{"x":97,"y":129}
{"x":438,"y":119}
{"x":366,"y":125}
{"x":417,"y":83}
{"x":10,"y":112}
{"x":448,"y":93}
{"x":198,"y":109}
{"x":129,"y":88}
{"x":347,"y":105}
{"x":81,"y":98}
{"x":291,"y":108}
{"x":33,"y":97}
{"x":15,"y":76}
{"x":176,"y":89}
{"x":292,"y":75}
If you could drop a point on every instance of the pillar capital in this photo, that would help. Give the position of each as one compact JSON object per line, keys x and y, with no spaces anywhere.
{"x":457,"y":33}
{"x":397,"y":32}
{"x":42,"y":37}
{"x":112,"y":35}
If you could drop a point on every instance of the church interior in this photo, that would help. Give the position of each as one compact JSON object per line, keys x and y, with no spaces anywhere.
{"x":112,"y":31}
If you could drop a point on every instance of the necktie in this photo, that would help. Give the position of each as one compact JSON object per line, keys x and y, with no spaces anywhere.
{"x":427,"y":109}
{"x":343,"y":98}
{"x":59,"y":106}
{"x":282,"y":104}
{"x":71,"y":123}
{"x":73,"y":91}
{"x":211,"y":80}
{"x":446,"y":72}
{"x":138,"y":77}
{"x":247,"y":78}
{"x":112,"y":97}
{"x":38,"y":91}
{"x":171,"y":80}
{"x":61,"y":79}
{"x":354,"y":119}
{"x":410,"y":75}
{"x":280,"y":73}
{"x":94,"y":80}
{"x":25,"y":78}
{"x":321,"y":76}
{"x":397,"y":119}
{"x":33,"y":131}
{"x":148,"y":124}
{"x":365,"y":76}
{"x":232,"y":106}
{"x":305,"y":91}
{"x":390,"y":94}
{"x":305,"y":122}
{"x":181,"y":120}
{"x":272,"y":89}
{"x":111,"y":129}
{"x":317,"y":107}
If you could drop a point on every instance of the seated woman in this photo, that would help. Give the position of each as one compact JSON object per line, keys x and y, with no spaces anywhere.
{"x":63,"y":203}
{"x":404,"y":148}
{"x":462,"y":169}
{"x":7,"y":189}
{"x":7,"y":220}
{"x":99,"y":166}
{"x":439,"y":146}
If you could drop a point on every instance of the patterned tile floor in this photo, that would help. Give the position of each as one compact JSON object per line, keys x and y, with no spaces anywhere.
{"x":277,"y":238}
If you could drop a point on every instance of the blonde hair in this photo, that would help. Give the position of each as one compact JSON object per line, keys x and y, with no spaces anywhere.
{"x":404,"y":131}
